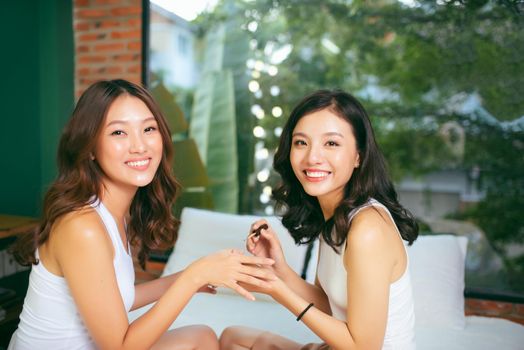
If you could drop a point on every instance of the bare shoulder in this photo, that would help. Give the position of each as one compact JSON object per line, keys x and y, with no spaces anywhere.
{"x":79,"y":227}
{"x":371,"y":226}
{"x":373,"y":238}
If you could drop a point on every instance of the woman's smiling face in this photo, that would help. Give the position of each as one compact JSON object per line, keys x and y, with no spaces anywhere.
{"x":129,"y":148}
{"x":323,"y":156}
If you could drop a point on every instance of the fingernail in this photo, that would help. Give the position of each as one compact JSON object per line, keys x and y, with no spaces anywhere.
{"x":258,"y":230}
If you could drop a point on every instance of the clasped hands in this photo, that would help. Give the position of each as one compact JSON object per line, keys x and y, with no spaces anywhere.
{"x":262,"y":241}
{"x":242,"y":273}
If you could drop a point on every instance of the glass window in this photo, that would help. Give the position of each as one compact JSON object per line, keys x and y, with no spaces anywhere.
{"x":183,"y":45}
{"x":442,"y":81}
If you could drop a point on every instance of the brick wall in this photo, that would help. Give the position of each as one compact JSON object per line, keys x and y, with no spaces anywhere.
{"x":108,"y":41}
{"x":511,"y":311}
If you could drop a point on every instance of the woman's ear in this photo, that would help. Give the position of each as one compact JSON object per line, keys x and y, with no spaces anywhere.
{"x":357,"y":162}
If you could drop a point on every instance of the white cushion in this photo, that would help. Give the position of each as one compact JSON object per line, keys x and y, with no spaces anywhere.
{"x":436,"y":262}
{"x":223,"y":310}
{"x":203,"y":232}
{"x":437,"y":274}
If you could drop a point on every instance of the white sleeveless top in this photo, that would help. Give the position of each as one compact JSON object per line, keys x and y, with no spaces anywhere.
{"x":50,"y":319}
{"x":332,"y":276}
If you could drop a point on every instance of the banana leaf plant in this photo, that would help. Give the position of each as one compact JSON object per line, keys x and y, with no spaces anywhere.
{"x":188,"y":166}
{"x":213,"y":124}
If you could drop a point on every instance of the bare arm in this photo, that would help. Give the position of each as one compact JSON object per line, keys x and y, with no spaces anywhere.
{"x":151,"y":291}
{"x":268,"y":245}
{"x":307,"y":291}
{"x":369,"y":262}
{"x":85,"y":255}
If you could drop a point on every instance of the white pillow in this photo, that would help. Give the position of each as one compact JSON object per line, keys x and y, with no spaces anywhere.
{"x":437,"y":274}
{"x":203,"y":232}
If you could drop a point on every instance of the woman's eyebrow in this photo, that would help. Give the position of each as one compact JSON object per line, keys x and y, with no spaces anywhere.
{"x":333,"y":133}
{"x":330,"y":133}
{"x":147,"y":120}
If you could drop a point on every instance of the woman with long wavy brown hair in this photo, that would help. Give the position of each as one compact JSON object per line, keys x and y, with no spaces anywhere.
{"x":114,"y":192}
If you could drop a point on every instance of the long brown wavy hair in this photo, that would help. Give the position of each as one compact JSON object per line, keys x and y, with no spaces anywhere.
{"x":302,"y":213}
{"x":79,"y":181}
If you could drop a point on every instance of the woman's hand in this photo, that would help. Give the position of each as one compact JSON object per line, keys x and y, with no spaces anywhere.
{"x":229,"y":267}
{"x":274,"y":287}
{"x":263,"y":241}
{"x":208,"y":288}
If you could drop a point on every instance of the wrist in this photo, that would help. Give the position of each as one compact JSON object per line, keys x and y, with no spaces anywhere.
{"x":300,"y":315}
{"x":191,"y":276}
{"x":280,"y":291}
{"x":284,"y":271}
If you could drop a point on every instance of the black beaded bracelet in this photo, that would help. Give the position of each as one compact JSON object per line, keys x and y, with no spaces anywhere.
{"x":304,"y":312}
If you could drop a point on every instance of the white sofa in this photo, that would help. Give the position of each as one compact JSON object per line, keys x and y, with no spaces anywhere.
{"x":436,"y":264}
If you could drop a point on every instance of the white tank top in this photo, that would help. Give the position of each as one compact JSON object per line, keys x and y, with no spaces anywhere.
{"x":332,"y":276}
{"x":50,"y":319}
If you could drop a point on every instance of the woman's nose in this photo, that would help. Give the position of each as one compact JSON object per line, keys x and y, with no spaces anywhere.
{"x":137,"y":144}
{"x":315,"y":155}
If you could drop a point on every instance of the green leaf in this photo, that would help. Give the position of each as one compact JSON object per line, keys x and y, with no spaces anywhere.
{"x":214,"y":52}
{"x":172,"y":112}
{"x":188,"y":167}
{"x":214,"y":129}
{"x":202,"y":199}
{"x":191,"y":173}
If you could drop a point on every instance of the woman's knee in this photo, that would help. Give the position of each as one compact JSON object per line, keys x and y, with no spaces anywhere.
{"x":265,"y":341}
{"x":228,"y":337}
{"x":238,"y":337}
{"x":188,"y":338}
{"x":206,"y":335}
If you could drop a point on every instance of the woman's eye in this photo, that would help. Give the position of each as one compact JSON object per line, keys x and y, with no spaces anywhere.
{"x":299,"y":143}
{"x":332,"y":143}
{"x":117,"y":132}
{"x":150,"y":129}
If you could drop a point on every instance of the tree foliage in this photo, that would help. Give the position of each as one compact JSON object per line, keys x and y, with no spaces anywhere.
{"x":416,"y":68}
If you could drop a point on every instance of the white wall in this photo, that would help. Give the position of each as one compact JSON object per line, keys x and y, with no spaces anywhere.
{"x":172,"y":49}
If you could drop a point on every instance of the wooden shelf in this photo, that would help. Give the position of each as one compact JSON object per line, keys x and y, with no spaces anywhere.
{"x":12,"y":225}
